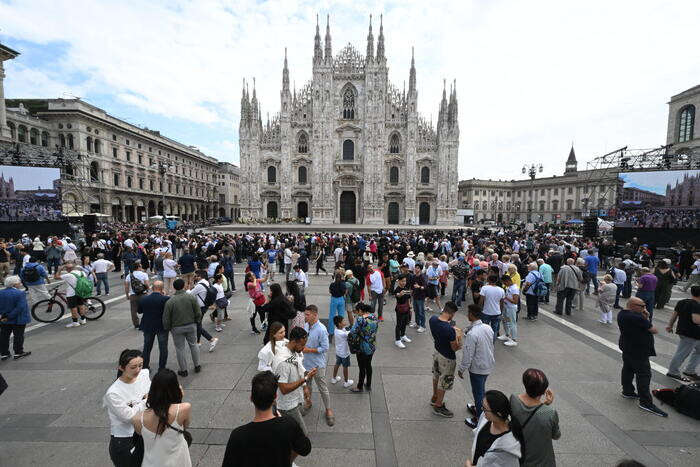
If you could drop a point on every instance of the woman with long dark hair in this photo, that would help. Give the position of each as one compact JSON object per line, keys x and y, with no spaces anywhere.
{"x":254,"y":289}
{"x":277,"y":309}
{"x":162,"y":425}
{"x":276,"y":333}
{"x":495,"y":444}
{"x":298,"y":304}
{"x":125,"y":398}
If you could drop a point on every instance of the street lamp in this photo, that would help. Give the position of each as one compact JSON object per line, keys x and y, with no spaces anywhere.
{"x":162,"y":170}
{"x":532,"y":172}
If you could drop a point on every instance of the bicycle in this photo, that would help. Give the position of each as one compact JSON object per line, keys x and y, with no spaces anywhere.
{"x":51,"y":309}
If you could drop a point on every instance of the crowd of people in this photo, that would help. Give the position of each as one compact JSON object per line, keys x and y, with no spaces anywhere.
{"x":660,"y":218}
{"x":172,"y":280}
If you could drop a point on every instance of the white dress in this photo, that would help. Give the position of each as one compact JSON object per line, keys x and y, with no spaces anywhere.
{"x":168,"y":449}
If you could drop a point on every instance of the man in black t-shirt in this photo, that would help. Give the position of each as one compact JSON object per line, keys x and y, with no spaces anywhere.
{"x":637,"y":345}
{"x":270,"y":440}
{"x":687,"y":312}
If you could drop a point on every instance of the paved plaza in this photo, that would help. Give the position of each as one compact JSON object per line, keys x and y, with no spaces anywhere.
{"x":52,"y":414}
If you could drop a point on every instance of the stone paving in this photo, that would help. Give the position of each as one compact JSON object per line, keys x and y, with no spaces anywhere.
{"x":52,"y":414}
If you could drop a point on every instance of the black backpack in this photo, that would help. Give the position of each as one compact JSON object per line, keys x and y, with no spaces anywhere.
{"x":31,"y":274}
{"x":688,"y":400}
{"x":210,"y":297}
{"x":137,"y":285}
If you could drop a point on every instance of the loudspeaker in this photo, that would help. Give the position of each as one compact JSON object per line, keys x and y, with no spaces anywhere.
{"x":89,"y":224}
{"x":590,"y":227}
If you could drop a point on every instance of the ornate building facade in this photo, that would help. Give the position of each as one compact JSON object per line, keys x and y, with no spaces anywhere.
{"x":685,"y":193}
{"x":349,"y":147}
{"x":573,"y":195}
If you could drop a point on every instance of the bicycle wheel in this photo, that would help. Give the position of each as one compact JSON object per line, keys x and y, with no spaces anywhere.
{"x":48,"y":310}
{"x":94,"y":308}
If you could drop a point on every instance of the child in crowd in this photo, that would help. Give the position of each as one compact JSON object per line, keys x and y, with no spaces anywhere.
{"x":342,"y":350}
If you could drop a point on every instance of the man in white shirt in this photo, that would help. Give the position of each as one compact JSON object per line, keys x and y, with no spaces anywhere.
{"x":200,"y":291}
{"x":129,"y":243}
{"x":619,"y":278}
{"x":409,"y":261}
{"x":300,"y":276}
{"x":287,"y":261}
{"x":137,"y":273}
{"x":292,"y":380}
{"x":376,"y":290}
{"x":101,"y":268}
{"x":493,"y":296}
{"x":75,"y":304}
{"x":338,"y":253}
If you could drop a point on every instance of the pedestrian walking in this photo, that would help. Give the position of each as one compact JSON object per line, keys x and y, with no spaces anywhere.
{"x":687,"y":312}
{"x":477,"y":359}
{"x":14,"y":317}
{"x":447,"y":338}
{"x":151,"y":308}
{"x":180,"y":316}
{"x":315,"y":357}
{"x":365,"y":327}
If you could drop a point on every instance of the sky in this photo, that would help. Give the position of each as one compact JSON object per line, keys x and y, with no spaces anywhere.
{"x":532,"y":77}
{"x":656,"y":181}
{"x":30,"y":178}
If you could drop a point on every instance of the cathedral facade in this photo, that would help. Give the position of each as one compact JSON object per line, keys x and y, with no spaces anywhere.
{"x":349,"y":147}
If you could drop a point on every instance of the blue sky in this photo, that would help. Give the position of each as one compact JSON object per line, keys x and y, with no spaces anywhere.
{"x":656,"y":181}
{"x":30,"y":178}
{"x":531,"y":76}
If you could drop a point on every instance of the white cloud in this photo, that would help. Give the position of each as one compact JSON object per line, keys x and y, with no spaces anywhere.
{"x":531,"y":76}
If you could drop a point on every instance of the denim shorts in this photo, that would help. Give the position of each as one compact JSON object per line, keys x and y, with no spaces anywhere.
{"x":345,"y":361}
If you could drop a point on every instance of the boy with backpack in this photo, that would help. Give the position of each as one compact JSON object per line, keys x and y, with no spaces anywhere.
{"x":78,"y":288}
{"x":205,"y":293}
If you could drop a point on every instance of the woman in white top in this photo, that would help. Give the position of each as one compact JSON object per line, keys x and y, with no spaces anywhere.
{"x":276,"y":342}
{"x":69,"y":249}
{"x":163,"y":423}
{"x":125,"y":398}
{"x":169,"y":272}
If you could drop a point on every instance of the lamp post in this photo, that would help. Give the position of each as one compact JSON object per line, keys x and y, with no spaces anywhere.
{"x":162,"y":170}
{"x":532,"y":172}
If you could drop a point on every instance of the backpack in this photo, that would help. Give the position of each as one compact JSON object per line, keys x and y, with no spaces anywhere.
{"x":540,"y":288}
{"x":31,"y":274}
{"x":688,"y":400}
{"x":83,"y":286}
{"x":210,"y":297}
{"x":158,"y":263}
{"x":355,"y":293}
{"x":137,"y":285}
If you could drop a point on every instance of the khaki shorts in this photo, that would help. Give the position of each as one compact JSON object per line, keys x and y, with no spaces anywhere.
{"x":444,"y":371}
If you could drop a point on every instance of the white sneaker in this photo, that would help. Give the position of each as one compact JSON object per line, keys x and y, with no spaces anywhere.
{"x":412,"y":325}
{"x":399,"y":344}
{"x":348,"y":383}
{"x":213,"y":343}
{"x":82,"y":321}
{"x":602,"y":321}
{"x":420,"y":329}
{"x":73,"y":324}
{"x":335,"y":380}
{"x":405,"y":339}
{"x":510,"y":343}
{"x":218,"y":329}
{"x":503,"y":338}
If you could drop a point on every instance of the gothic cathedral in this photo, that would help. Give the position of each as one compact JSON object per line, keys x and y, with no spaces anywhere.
{"x":349,"y":147}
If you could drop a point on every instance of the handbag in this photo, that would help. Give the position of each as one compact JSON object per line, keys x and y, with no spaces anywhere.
{"x":403,"y":307}
{"x":185,"y":433}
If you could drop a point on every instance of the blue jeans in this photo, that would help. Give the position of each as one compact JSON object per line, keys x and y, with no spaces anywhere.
{"x":337,"y":308}
{"x":458,"y":290}
{"x":648,"y":297}
{"x":148,"y":338}
{"x":102,"y":279}
{"x":593,"y":279}
{"x":478,"y":383}
{"x":52,"y":264}
{"x":419,"y":310}
{"x":494,"y":321}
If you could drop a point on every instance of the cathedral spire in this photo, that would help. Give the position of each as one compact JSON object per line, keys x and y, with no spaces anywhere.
{"x":571,"y":163}
{"x":285,"y":74}
{"x":412,"y":74}
{"x":380,"y":40}
{"x":318,"y":53}
{"x":370,"y":42}
{"x":244,"y":104}
{"x":328,"y":53}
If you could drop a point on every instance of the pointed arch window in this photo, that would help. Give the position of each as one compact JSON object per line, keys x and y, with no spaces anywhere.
{"x":394,"y":175}
{"x":425,"y":175}
{"x":394,"y":144}
{"x":687,"y":121}
{"x":348,"y":104}
{"x":303,"y":145}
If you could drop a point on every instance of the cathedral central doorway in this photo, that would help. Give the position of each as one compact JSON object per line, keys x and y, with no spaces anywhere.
{"x":393,"y":214}
{"x":303,"y":209}
{"x":424,"y":213}
{"x":347,"y":207}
